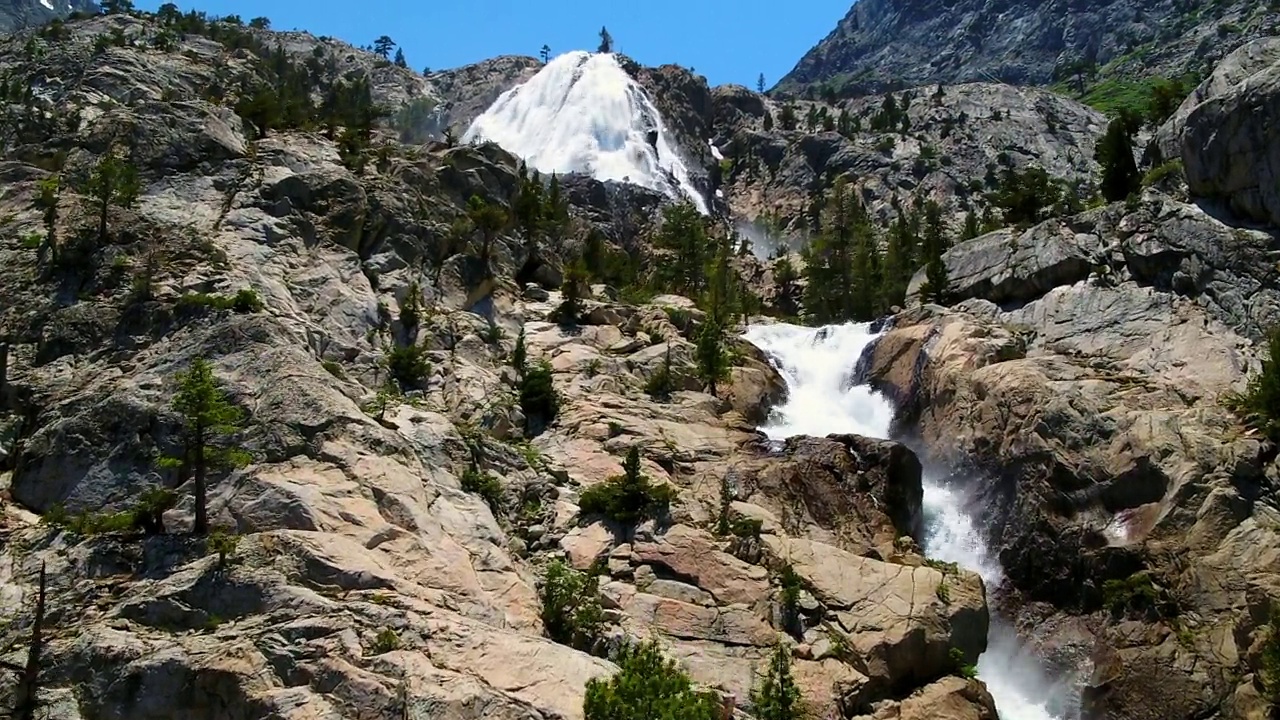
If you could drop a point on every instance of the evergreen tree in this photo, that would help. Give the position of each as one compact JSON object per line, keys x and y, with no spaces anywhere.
{"x":116,"y":7}
{"x":777,"y":697}
{"x":971,"y":229}
{"x":571,"y":613}
{"x":760,"y":84}
{"x":27,"y":690}
{"x":114,"y":181}
{"x":866,"y":292}
{"x":382,"y":47}
{"x":723,"y":285}
{"x":538,"y":397}
{"x":260,"y":23}
{"x":784,"y":282}
{"x":1120,"y":176}
{"x":207,"y":415}
{"x":489,"y":220}
{"x":628,"y":498}
{"x":788,"y":117}
{"x":647,"y":686}
{"x":47,"y":201}
{"x":683,"y":234}
{"x":400,"y":60}
{"x":520,"y":354}
{"x":936,"y":288}
{"x":768,"y":120}
{"x":545,"y":54}
{"x":713,"y":363}
{"x":575,"y":288}
{"x":606,"y":40}
{"x":557,"y":210}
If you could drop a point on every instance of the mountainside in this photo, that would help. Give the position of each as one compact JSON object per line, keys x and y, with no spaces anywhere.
{"x":19,"y":14}
{"x":894,"y":44}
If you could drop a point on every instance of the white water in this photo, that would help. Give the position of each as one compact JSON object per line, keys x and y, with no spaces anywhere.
{"x":818,"y":366}
{"x":583,"y":113}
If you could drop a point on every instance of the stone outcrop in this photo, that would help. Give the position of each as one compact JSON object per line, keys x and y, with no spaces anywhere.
{"x":1080,"y":382}
{"x":1226,"y":153}
{"x":890,"y":44}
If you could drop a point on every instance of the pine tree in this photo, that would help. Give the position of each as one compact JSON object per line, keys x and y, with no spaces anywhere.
{"x":606,"y":40}
{"x":760,"y":84}
{"x":647,"y":686}
{"x":777,"y":697}
{"x":47,"y":201}
{"x":207,"y":415}
{"x":971,"y":229}
{"x":538,"y":397}
{"x":683,"y":233}
{"x":713,"y":363}
{"x":400,"y":60}
{"x":489,"y":220}
{"x":936,"y":288}
{"x":114,"y":181}
{"x":382,"y":47}
{"x":575,"y":288}
{"x":27,"y":691}
{"x":788,"y":117}
{"x":1120,"y":176}
{"x":116,"y":7}
{"x":545,"y":54}
{"x":520,"y":354}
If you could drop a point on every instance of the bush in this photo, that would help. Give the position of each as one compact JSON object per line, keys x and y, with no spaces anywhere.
{"x":151,"y":507}
{"x":1158,"y":174}
{"x":660,"y":384}
{"x":1259,"y":404}
{"x":244,"y":301}
{"x":223,"y":545}
{"x":485,"y":485}
{"x":962,"y":668}
{"x":629,"y":498}
{"x":386,"y":641}
{"x":538,"y":398}
{"x":648,"y":686}
{"x":571,"y":611}
{"x":408,"y":366}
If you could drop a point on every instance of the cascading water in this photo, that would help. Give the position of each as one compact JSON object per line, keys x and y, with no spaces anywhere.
{"x":817,"y":365}
{"x":582,"y":113}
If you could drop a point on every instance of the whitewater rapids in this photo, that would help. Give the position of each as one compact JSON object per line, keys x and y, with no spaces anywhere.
{"x":818,"y":365}
{"x":582,"y":113}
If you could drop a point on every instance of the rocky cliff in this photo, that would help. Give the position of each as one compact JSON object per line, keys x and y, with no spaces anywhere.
{"x":896,"y":44}
{"x":22,"y":14}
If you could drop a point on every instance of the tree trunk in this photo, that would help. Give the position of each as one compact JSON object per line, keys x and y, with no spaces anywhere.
{"x":29,"y":685}
{"x":202,"y":510}
{"x":102,"y":220}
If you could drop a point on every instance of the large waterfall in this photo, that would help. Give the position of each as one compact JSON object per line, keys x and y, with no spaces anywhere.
{"x":582,"y":113}
{"x":818,"y":366}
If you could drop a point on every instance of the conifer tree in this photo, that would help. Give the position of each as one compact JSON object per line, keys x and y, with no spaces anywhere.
{"x":400,"y":59}
{"x":27,"y":691}
{"x":760,"y":84}
{"x":520,"y":354}
{"x":116,"y":7}
{"x":1120,"y":175}
{"x":647,"y":686}
{"x":936,"y":288}
{"x":575,"y":288}
{"x":47,"y":201}
{"x":683,"y":233}
{"x":545,"y":54}
{"x":971,"y":229}
{"x":606,"y":40}
{"x":713,"y":364}
{"x":489,"y":220}
{"x":777,"y":697}
{"x":382,"y":47}
{"x":207,"y":415}
{"x":114,"y":181}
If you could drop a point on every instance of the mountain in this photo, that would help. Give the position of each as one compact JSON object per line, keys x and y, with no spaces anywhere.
{"x":20,"y":14}
{"x":892,"y":44}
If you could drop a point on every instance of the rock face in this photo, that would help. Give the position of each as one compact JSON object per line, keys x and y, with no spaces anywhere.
{"x":387,"y":536}
{"x":22,"y":14}
{"x":1079,"y":381}
{"x":957,"y":143}
{"x":1227,"y":154}
{"x":892,"y":44}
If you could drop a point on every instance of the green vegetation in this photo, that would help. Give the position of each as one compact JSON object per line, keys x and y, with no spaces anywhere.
{"x":571,"y":612}
{"x":1269,"y":660}
{"x":713,"y":362}
{"x":1135,"y":593}
{"x":146,"y":516}
{"x":1160,"y":173}
{"x":792,"y":585}
{"x":538,"y":397}
{"x":114,"y":181}
{"x":386,"y":641}
{"x":962,"y":668}
{"x":223,"y":545}
{"x":843,"y":262}
{"x":777,"y":697}
{"x":408,"y":366}
{"x":661,"y":383}
{"x":1259,"y":404}
{"x":936,"y":288}
{"x":628,"y":498}
{"x":648,"y":686}
{"x":207,"y":415}
{"x":484,"y":484}
{"x":245,"y":300}
{"x":1120,"y":177}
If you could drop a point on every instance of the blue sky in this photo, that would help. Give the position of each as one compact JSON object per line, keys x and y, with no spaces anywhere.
{"x":725,"y":40}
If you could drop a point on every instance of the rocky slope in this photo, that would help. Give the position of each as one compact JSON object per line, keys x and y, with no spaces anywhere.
{"x":895,"y":44}
{"x":1079,"y":383}
{"x":22,"y":14}
{"x":364,"y":581}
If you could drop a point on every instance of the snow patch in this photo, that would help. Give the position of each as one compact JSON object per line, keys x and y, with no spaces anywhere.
{"x":715,"y":151}
{"x":47,"y":4}
{"x":583,"y":113}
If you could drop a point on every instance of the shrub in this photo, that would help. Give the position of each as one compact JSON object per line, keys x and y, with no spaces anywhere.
{"x":1269,"y":662}
{"x":386,"y":641}
{"x":150,"y":509}
{"x":484,"y":484}
{"x":777,"y":697}
{"x":1259,"y":404}
{"x":648,"y":686}
{"x":628,"y":498}
{"x":660,"y":384}
{"x":963,"y":669}
{"x":245,"y":300}
{"x":408,"y":366}
{"x":223,"y":545}
{"x":1160,"y":173}
{"x":538,"y":397}
{"x":571,"y":611}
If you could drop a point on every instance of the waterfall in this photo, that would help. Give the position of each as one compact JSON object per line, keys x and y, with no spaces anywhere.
{"x":818,"y":366}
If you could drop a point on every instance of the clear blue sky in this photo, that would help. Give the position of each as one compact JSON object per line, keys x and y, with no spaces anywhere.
{"x":725,"y":40}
